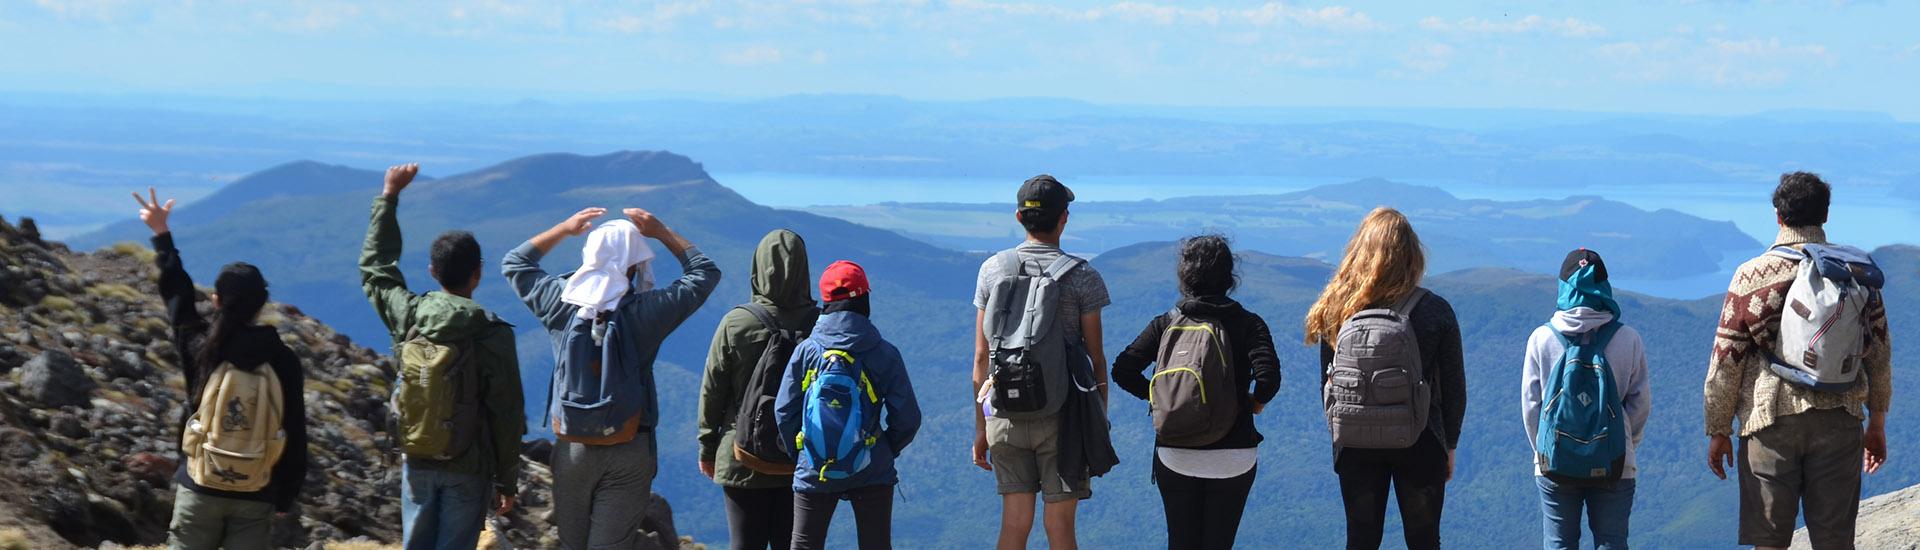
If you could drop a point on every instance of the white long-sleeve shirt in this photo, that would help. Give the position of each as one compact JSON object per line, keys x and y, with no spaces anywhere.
{"x":1625,"y":354}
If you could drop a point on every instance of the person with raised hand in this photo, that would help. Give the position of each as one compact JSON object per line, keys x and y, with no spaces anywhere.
{"x":223,"y":501}
{"x":607,"y":320}
{"x":459,"y":413}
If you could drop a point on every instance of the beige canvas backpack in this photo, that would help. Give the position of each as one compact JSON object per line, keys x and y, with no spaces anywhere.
{"x":235,"y":436}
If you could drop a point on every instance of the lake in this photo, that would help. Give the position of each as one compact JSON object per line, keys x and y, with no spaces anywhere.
{"x":1867,"y":216}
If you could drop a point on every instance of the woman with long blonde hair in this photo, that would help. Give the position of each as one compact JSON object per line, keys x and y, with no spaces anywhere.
{"x":1394,"y":422}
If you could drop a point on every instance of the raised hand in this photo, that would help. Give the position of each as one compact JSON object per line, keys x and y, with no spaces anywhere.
{"x":649,"y":225}
{"x":398,"y":177}
{"x":152,"y":212}
{"x":580,"y":222}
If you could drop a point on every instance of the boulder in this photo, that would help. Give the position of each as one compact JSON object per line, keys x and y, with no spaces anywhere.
{"x":53,"y":379}
{"x":152,"y":468}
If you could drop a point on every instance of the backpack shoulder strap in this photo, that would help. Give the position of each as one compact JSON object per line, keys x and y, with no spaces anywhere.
{"x":1009,"y":262}
{"x":1787,"y":252}
{"x":1406,"y":305}
{"x":1604,"y":335}
{"x":761,"y":314}
{"x":1063,"y":265}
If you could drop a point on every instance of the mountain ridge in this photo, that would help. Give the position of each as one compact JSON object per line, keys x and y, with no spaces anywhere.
{"x":921,"y":303}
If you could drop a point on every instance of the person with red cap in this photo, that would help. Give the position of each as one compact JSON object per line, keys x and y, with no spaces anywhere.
{"x":848,"y":406}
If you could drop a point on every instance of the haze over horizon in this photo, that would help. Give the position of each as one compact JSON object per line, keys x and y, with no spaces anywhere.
{"x":1674,"y":57}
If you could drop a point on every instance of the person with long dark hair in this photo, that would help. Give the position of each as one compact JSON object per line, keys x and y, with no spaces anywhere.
{"x":213,"y":506}
{"x":1204,"y":474}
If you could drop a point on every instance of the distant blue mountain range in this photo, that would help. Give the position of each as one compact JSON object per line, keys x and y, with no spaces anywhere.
{"x":57,"y":146}
{"x":1315,"y":223}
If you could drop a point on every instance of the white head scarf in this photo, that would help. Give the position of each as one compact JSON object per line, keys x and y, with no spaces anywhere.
{"x":611,"y":249}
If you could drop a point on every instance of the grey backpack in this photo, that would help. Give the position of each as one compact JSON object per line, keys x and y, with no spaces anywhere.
{"x":1193,"y":394}
{"x":1026,"y":343}
{"x":1376,"y":394}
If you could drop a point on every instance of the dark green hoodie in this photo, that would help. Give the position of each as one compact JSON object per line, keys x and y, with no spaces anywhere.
{"x":443,"y":317}
{"x":781,"y":282}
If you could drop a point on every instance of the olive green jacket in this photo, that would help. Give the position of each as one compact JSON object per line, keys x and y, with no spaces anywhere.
{"x":444,"y":317}
{"x":781,"y":283}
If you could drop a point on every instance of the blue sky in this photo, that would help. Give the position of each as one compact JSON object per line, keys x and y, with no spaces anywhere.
{"x":1684,"y":57}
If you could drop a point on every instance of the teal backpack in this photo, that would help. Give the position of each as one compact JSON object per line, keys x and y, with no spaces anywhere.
{"x":1583,"y":430}
{"x":839,"y":418}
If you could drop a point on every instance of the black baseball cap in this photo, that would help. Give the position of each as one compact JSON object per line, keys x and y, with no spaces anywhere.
{"x":1581,"y":258}
{"x":1042,"y":192}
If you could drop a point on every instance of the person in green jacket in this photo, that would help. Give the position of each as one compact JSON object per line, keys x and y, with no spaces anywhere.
{"x":444,"y":502}
{"x":759,"y":505}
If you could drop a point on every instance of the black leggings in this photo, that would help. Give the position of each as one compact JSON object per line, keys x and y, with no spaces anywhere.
{"x":1202,"y":514}
{"x":760,"y":518}
{"x":872,"y":517}
{"x":1418,"y":477}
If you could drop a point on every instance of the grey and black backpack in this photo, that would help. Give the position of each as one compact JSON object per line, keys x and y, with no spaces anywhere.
{"x":1193,"y":393}
{"x":1026,"y":342}
{"x":1376,"y":395}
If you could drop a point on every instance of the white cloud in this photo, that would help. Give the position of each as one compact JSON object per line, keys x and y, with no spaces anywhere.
{"x":1716,"y":62}
{"x":97,"y":10}
{"x":759,"y":54}
{"x":1271,"y":14}
{"x":1425,"y":59}
{"x":1570,"y":27}
{"x":662,"y":17}
{"x":1299,"y":60}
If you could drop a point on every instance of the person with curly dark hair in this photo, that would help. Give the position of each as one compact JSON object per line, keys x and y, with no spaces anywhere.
{"x":1206,"y":448}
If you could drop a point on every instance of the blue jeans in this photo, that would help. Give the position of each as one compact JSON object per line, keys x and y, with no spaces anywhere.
{"x":441,"y":510}
{"x":1607,"y":511}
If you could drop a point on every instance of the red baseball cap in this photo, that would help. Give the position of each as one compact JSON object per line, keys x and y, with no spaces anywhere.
{"x":843,"y":280}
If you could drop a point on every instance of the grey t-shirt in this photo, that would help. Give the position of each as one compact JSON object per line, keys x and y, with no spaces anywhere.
{"x":1085,"y":290}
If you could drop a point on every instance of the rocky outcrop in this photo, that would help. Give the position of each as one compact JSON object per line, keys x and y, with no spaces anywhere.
{"x":1887,"y":522}
{"x":91,"y":394}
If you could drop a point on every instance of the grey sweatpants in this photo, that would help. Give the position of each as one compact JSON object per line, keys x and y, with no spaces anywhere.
{"x":601,"y":494}
{"x":1811,"y":459}
{"x":210,"y":522}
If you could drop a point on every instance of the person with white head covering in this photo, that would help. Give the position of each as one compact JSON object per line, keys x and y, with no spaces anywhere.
{"x":607,"y":321}
{"x":608,"y":262}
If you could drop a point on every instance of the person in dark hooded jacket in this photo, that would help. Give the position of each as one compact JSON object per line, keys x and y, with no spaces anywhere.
{"x":845,"y":333}
{"x":759,"y":505}
{"x":205,"y":517}
{"x":1204,"y":488}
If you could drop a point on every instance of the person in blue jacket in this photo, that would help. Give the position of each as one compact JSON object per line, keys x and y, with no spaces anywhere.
{"x":845,"y":451}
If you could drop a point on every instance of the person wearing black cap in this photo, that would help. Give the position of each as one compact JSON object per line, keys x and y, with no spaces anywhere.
{"x":1587,"y":315}
{"x":1022,"y":448}
{"x":208,"y":517}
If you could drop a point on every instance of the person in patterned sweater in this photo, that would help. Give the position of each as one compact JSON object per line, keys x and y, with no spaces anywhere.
{"x":1797,"y":445}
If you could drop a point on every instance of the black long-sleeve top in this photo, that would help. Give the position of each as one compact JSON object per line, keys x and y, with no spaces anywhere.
{"x":1256,"y":367}
{"x":249,"y":348}
{"x":1441,"y":359}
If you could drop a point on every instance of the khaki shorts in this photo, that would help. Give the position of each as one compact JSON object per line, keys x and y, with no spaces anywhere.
{"x":1025,"y":459}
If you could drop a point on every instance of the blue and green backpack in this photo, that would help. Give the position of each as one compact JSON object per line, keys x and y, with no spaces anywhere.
{"x":840,"y":418}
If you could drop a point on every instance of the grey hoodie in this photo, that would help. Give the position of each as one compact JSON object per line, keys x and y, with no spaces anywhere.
{"x":1626,"y":354}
